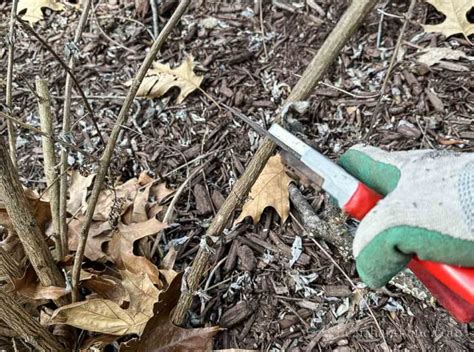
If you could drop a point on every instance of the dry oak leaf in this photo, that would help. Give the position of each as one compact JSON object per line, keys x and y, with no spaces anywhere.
{"x":162,"y":78}
{"x":106,"y":316}
{"x":270,"y":190}
{"x":161,"y":335}
{"x":29,"y":286}
{"x":34,"y":8}
{"x":121,"y":247}
{"x":456,"y":17}
{"x":99,"y":233}
{"x":432,"y":56}
{"x":78,"y":191}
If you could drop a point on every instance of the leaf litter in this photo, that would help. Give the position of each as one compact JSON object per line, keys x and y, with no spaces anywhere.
{"x":236,"y":76}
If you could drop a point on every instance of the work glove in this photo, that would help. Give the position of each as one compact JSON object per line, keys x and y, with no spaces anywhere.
{"x":428,"y":209}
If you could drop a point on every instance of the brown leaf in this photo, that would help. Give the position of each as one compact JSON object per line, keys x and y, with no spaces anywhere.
{"x":121,"y":196}
{"x":99,"y":233}
{"x":108,"y":287}
{"x":34,"y":8}
{"x":106,"y":316}
{"x":160,"y":335}
{"x":78,"y":191}
{"x":162,"y":78}
{"x":159,"y":192}
{"x":139,"y":212}
{"x":270,"y":190}
{"x":121,"y":247}
{"x":30,"y":287}
{"x":456,"y":17}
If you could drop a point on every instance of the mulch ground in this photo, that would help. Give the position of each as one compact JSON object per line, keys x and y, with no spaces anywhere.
{"x":311,"y":306}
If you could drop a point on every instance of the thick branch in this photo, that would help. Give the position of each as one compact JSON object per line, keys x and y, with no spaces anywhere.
{"x":8,"y":265}
{"x":109,"y":148}
{"x":46,"y":120}
{"x":325,"y":56}
{"x":25,"y":224}
{"x":29,"y":329}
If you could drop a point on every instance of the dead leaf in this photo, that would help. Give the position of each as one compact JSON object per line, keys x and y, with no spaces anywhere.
{"x":161,"y":335}
{"x":106,"y":316}
{"x":108,"y":287}
{"x":34,"y":8}
{"x":139,"y":212}
{"x":432,"y":56}
{"x":456,"y":17}
{"x":162,"y":78}
{"x":117,"y":199}
{"x":270,"y":190}
{"x":99,"y":233}
{"x":121,"y":247}
{"x":78,"y":191}
{"x":30,"y":287}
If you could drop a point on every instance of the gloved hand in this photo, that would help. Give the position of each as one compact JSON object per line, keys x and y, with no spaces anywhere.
{"x":428,"y":209}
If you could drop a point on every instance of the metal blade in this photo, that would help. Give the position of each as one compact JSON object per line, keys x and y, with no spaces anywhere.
{"x":260,"y":130}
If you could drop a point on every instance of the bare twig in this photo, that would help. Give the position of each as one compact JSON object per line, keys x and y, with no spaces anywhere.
{"x":390,"y":68}
{"x":67,"y":130}
{"x":66,"y":67}
{"x":9,"y":88}
{"x":262,"y":27}
{"x":41,"y":133}
{"x":109,"y":148}
{"x":169,"y":211}
{"x":154,"y":13}
{"x":27,"y":327}
{"x":46,"y":120}
{"x":325,"y":56}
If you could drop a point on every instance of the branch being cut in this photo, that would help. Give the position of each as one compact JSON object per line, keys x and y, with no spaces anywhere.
{"x":325,"y":56}
{"x":109,"y":148}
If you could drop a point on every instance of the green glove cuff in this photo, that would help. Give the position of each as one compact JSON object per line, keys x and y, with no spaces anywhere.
{"x":391,"y":250}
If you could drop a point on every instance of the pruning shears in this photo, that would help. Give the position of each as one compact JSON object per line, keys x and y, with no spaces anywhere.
{"x":452,"y":286}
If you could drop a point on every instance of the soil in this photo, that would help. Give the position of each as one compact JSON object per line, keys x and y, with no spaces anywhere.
{"x":310,"y":306}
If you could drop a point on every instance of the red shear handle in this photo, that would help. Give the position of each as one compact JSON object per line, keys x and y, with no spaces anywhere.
{"x":461,"y":309}
{"x":453,"y":286}
{"x":361,"y":202}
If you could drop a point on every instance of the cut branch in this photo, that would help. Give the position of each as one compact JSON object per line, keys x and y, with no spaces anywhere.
{"x":345,"y":28}
{"x":46,"y":120}
{"x":29,"y":329}
{"x":109,"y":148}
{"x":67,"y":130}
